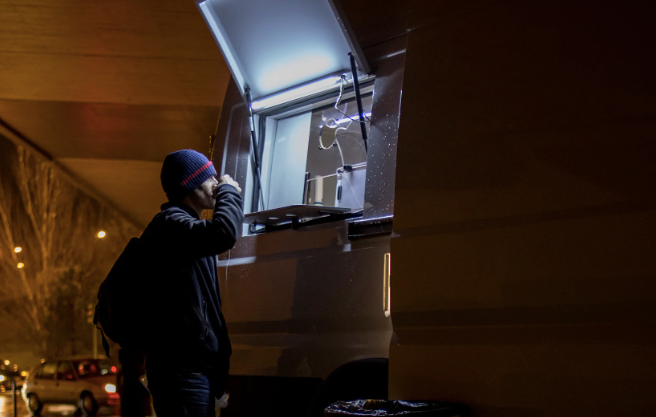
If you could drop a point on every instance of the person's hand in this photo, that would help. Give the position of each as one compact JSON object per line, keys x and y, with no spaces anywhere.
{"x":227,"y":179}
{"x":221,"y":402}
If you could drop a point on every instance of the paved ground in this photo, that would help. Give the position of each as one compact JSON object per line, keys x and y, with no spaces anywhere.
{"x":7,"y":408}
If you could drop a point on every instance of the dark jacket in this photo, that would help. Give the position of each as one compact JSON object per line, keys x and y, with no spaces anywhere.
{"x":189,"y":333}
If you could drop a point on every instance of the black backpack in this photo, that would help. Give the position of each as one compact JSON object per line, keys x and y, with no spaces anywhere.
{"x":123,"y":312}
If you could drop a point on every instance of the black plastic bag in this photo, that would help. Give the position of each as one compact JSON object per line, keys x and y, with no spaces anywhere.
{"x":385,"y":408}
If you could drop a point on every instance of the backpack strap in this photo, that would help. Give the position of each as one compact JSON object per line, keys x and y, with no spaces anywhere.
{"x":104,"y":341}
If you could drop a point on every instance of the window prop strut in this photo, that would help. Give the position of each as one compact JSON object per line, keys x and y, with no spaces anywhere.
{"x":358,"y":97}
{"x":256,"y":162}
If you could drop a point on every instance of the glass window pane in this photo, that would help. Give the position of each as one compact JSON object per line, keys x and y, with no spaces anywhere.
{"x":336,"y":142}
{"x":317,"y":157}
{"x":93,"y":367}
{"x":65,"y":371}
{"x":48,"y":371}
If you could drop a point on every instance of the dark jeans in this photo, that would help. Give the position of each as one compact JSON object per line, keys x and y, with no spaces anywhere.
{"x":181,"y":395}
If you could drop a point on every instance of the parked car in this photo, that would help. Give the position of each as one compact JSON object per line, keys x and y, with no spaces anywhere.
{"x":6,"y":378}
{"x":88,"y":383}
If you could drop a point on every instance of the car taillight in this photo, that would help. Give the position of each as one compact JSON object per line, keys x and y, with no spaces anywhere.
{"x":113,"y":398}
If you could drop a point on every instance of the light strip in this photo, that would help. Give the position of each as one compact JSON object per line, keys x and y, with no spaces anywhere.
{"x":351,"y":118}
{"x":296,"y":93}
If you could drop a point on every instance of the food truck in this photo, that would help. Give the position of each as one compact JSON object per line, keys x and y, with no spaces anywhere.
{"x":509,"y":189}
{"x":309,"y":128}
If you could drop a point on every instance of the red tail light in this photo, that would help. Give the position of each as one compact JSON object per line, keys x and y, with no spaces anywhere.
{"x":113,"y":398}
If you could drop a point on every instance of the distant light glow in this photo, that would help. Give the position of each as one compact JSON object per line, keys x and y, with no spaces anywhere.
{"x":111,"y":388}
{"x":113,"y":369}
{"x":296,"y":93}
{"x":20,"y":265}
{"x":17,"y":249}
{"x":288,"y":71}
{"x":7,"y":362}
{"x":101,"y":234}
{"x":24,"y":373}
{"x":2,"y":377}
{"x":43,"y":360}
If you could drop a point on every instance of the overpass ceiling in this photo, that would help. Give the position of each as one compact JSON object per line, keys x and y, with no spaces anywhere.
{"x":107,"y":89}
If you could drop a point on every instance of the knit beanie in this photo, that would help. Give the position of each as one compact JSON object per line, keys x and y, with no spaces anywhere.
{"x":184,"y":171}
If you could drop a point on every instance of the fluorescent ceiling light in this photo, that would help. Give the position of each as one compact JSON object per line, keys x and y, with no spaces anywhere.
{"x":296,"y":93}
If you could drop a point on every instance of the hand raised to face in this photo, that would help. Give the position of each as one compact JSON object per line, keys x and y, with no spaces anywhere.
{"x":227,"y":179}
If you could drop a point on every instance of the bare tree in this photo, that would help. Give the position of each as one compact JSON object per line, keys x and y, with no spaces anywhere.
{"x":61,"y":260}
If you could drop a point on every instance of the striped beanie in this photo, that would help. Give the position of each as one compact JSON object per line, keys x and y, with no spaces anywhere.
{"x":184,"y":171}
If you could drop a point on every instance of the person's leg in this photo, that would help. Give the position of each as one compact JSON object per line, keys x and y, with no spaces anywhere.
{"x":181,"y":395}
{"x":197,"y":396}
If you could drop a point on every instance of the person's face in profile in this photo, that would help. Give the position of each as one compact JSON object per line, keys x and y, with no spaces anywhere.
{"x":205,"y":195}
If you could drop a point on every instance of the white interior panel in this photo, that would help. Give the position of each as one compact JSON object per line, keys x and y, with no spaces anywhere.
{"x":274,"y":45}
{"x":287,"y":158}
{"x":267,"y":152}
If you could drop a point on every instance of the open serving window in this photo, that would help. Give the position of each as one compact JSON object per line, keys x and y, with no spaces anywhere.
{"x":310,"y":98}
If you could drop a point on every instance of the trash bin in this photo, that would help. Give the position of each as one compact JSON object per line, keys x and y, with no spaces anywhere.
{"x":385,"y":408}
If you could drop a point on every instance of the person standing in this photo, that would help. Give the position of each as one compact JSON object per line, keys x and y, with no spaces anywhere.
{"x":188,"y":353}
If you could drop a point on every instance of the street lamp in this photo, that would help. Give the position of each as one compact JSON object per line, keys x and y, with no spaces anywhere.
{"x":18,"y":249}
{"x":101,"y":234}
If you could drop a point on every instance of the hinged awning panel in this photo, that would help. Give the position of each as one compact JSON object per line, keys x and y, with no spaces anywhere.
{"x":272,"y":46}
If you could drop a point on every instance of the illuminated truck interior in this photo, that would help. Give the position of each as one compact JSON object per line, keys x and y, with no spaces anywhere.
{"x":314,"y":156}
{"x":310,"y":100}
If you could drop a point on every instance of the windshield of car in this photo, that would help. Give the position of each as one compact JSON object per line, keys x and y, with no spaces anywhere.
{"x":93,"y":367}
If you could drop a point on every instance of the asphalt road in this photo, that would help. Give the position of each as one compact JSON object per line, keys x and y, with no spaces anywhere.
{"x":7,"y":408}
